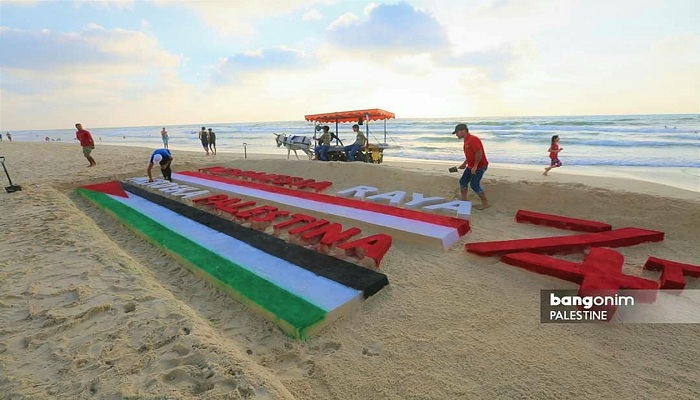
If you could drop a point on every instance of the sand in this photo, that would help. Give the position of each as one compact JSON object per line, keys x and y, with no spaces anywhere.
{"x":90,"y":311}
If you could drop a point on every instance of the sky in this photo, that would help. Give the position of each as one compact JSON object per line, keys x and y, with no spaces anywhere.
{"x":144,"y":63}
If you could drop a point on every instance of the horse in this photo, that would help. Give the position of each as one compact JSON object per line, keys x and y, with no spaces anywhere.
{"x":295,"y":143}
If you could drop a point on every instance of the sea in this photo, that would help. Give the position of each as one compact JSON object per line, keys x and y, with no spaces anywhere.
{"x":659,"y":140}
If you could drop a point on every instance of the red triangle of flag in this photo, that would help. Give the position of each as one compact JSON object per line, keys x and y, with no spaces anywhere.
{"x":113,"y":188}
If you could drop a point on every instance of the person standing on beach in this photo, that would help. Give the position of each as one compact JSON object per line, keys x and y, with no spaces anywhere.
{"x":204,"y":138}
{"x":212,"y":141}
{"x":554,"y":150}
{"x":86,"y":142}
{"x":474,"y":165}
{"x":164,"y":135}
{"x":164,"y":159}
{"x":9,"y":137}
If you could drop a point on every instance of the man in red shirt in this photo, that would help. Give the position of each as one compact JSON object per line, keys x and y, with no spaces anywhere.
{"x":86,"y":143}
{"x":474,"y":165}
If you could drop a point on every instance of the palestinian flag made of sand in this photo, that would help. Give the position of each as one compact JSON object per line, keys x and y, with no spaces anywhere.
{"x":427,"y":226}
{"x":299,"y":289}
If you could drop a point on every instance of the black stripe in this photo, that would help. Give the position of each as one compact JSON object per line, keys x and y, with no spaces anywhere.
{"x":343,"y":272}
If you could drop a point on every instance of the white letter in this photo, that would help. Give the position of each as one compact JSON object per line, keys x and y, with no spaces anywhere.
{"x":395,"y":198}
{"x":194,"y":194}
{"x":462,"y":208}
{"x":165,"y":187}
{"x":357,"y":192}
{"x":139,"y":181}
{"x":418,"y":200}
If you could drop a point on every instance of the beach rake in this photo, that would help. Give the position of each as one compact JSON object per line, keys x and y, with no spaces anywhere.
{"x":12,"y":187}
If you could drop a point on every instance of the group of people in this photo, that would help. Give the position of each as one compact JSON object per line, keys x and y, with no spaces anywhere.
{"x":324,"y":144}
{"x":476,"y":163}
{"x":208,"y":139}
{"x":162,"y":157}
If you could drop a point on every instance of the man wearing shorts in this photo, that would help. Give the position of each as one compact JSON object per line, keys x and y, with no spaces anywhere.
{"x":164,"y":159}
{"x":204,"y":138}
{"x":212,"y":141}
{"x":164,"y":136}
{"x":474,"y":165}
{"x":86,"y":142}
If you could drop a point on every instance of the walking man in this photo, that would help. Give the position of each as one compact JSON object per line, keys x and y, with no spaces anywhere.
{"x":474,"y":165}
{"x":86,"y":142}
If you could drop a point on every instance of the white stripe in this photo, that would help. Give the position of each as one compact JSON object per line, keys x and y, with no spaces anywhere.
{"x":323,"y":292}
{"x":445,"y":234}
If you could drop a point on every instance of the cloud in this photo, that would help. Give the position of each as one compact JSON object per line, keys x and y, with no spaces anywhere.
{"x":395,"y":28}
{"x":96,"y":71}
{"x":312,"y":15}
{"x":94,"y":47}
{"x":495,"y":62}
{"x":239,"y":18}
{"x":118,"y":4}
{"x":20,"y":2}
{"x":276,"y":58}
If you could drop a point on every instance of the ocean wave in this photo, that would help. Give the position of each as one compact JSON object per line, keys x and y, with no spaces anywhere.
{"x":531,"y":160}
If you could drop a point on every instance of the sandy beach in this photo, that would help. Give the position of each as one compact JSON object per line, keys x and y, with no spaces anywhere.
{"x":90,"y":311}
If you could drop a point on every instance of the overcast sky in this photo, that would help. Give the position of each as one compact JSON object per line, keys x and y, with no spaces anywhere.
{"x":134,"y":63}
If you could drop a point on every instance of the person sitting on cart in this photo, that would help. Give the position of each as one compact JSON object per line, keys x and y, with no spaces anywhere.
{"x":360,"y":143}
{"x":324,"y":144}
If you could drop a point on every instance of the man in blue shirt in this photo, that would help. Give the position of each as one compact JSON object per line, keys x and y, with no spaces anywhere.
{"x":164,"y":158}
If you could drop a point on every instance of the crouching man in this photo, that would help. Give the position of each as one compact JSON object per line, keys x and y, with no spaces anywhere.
{"x":164,"y":158}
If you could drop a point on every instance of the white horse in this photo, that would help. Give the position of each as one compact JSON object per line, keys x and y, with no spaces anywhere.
{"x":295,"y":143}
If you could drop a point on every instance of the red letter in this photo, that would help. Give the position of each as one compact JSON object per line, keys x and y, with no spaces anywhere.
{"x":672,"y":272}
{"x":330,"y":235}
{"x":255,"y":211}
{"x":374,"y":247}
{"x":261,"y":223}
{"x":296,"y":218}
{"x":210,"y":198}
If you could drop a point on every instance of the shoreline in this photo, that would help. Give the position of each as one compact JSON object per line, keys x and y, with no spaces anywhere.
{"x":683,"y":183}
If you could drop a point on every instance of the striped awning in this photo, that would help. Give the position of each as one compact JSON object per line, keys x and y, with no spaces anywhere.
{"x":372,"y":114}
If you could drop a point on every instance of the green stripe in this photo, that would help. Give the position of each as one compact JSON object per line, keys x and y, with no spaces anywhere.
{"x":276,"y":302}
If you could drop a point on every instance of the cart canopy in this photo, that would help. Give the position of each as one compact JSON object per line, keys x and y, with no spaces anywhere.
{"x":373,"y":114}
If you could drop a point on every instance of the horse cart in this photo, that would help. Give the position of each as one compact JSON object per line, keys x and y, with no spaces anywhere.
{"x":373,"y":153}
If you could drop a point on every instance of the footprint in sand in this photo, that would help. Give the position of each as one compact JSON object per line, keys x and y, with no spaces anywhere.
{"x":373,"y":349}
{"x":330,"y":348}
